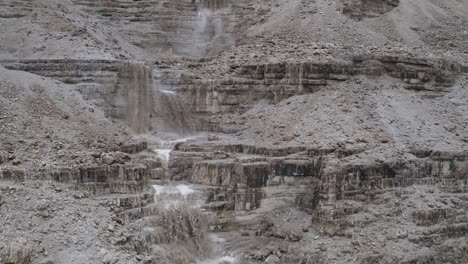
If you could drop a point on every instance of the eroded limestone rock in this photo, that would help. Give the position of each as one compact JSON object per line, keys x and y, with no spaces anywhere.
{"x":18,"y":251}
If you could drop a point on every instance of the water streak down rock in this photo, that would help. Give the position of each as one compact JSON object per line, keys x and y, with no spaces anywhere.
{"x":212,"y":29}
{"x":139,"y":83}
{"x":214,"y":4}
{"x":176,"y":112}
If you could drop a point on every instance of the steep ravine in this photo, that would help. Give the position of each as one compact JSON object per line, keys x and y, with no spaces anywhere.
{"x":233,"y":132}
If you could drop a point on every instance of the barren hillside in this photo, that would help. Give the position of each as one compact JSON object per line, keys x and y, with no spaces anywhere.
{"x":218,"y":131}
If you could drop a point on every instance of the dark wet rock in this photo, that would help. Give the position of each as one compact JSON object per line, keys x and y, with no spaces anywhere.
{"x":263,"y":253}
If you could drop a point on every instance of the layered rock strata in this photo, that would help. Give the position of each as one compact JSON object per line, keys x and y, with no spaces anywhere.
{"x":124,"y":90}
{"x":359,"y":9}
{"x":333,"y":191}
{"x":196,"y":28}
{"x":248,"y":84}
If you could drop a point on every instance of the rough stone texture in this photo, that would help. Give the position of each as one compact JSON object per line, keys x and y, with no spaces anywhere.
{"x":107,"y":83}
{"x":275,"y":82}
{"x":167,"y":27}
{"x":337,"y":131}
{"x":17,"y":252}
{"x":359,"y":9}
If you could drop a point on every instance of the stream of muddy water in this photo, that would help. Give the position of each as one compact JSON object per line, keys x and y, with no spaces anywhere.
{"x":181,"y":204}
{"x":185,"y":198}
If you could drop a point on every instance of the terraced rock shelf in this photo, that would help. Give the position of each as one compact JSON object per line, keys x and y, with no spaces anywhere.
{"x":217,"y":131}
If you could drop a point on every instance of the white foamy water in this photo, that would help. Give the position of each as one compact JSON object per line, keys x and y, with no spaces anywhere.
{"x":184,"y":190}
{"x":166,"y":146}
{"x":221,"y":260}
{"x":168,"y":92}
{"x":181,"y":190}
{"x":216,"y":239}
{"x":180,"y":140}
{"x":174,"y":195}
{"x":163,"y":154}
{"x":158,"y":189}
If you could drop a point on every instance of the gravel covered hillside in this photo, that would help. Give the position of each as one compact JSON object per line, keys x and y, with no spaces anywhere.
{"x":233,"y":132}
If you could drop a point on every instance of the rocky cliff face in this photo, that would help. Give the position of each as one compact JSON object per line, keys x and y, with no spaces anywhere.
{"x":154,"y":27}
{"x":360,"y":9}
{"x":214,"y":131}
{"x":251,"y":83}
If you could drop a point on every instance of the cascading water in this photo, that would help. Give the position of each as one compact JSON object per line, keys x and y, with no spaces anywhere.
{"x":214,"y":4}
{"x":137,"y":81}
{"x":180,"y":217}
{"x":176,"y":112}
{"x":184,"y":223}
{"x":164,"y":147}
{"x":210,"y":29}
{"x":178,"y":231}
{"x":171,"y":112}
